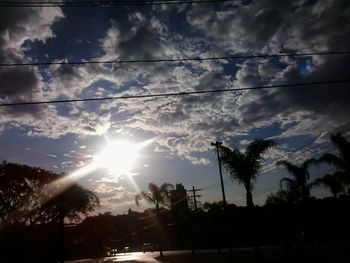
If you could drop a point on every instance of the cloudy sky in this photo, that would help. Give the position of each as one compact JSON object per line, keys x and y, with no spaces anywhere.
{"x":178,"y":130}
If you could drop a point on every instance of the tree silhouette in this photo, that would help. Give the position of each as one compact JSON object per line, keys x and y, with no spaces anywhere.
{"x":20,"y":187}
{"x":72,"y":202}
{"x":244,"y":167}
{"x":31,"y":195}
{"x":333,"y":182}
{"x":341,"y":162}
{"x":158,"y":196}
{"x":216,"y":206}
{"x":279,"y":198}
{"x":25,"y":198}
{"x":299,"y":186}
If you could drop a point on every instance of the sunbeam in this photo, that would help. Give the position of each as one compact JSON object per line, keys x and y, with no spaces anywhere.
{"x":118,"y":157}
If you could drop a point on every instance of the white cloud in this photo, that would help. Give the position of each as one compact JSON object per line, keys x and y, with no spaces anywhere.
{"x":18,"y":26}
{"x":187,"y":125}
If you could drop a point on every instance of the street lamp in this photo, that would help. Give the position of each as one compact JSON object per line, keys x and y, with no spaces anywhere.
{"x":217,"y":144}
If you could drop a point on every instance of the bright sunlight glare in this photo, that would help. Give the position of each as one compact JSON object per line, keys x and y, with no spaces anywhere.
{"x":118,"y":157}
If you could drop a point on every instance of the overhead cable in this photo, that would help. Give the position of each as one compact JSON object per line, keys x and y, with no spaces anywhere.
{"x":175,"y":94}
{"x":105,"y":3}
{"x":272,"y":166}
{"x":269,"y":167}
{"x":184,"y":59}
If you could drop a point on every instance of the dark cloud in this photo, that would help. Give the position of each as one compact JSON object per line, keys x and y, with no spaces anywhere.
{"x":136,"y":36}
{"x":17,"y":26}
{"x":213,"y":81}
{"x":332,"y":100}
{"x":275,"y":26}
{"x":17,"y":82}
{"x":251,"y":27}
{"x":20,"y":85}
{"x":321,"y":101}
{"x":282,"y":26}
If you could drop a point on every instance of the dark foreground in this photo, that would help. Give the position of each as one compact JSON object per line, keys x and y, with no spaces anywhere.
{"x":320,"y":253}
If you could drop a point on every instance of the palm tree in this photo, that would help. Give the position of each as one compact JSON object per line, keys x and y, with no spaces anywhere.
{"x":341,"y":162}
{"x":158,"y":196}
{"x":244,"y":167}
{"x":299,"y":186}
{"x":333,"y":182}
{"x":280,"y":197}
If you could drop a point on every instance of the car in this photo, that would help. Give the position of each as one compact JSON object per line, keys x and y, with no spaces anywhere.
{"x":112,"y":252}
{"x":147,"y":247}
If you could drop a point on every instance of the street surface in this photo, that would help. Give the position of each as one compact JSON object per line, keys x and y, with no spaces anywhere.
{"x":307,"y":253}
{"x":132,"y":257}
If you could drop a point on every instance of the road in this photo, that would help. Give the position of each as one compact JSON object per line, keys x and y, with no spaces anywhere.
{"x":148,"y":257}
{"x":307,"y":253}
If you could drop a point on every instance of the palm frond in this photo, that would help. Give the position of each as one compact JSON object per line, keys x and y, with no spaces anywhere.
{"x":257,"y":148}
{"x":144,"y":195}
{"x":332,"y":160}
{"x":244,"y":167}
{"x":333,"y":181}
{"x":342,"y":145}
{"x":305,"y":165}
{"x":156,"y":195}
{"x":165,"y":193}
{"x":232,"y":160}
{"x":292,"y":169}
{"x":290,"y":182}
{"x":165,"y":187}
{"x":153,"y":187}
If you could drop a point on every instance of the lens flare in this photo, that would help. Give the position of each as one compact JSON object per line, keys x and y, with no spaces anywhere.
{"x":118,"y":157}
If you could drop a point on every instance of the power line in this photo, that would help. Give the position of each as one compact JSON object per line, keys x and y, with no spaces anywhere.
{"x":265,"y":190}
{"x":175,"y":94}
{"x":343,"y":127}
{"x":227,"y":182}
{"x":274,"y":165}
{"x":269,"y":189}
{"x":267,"y":168}
{"x":261,"y":192}
{"x":214,"y":185}
{"x":129,"y":61}
{"x":105,"y":3}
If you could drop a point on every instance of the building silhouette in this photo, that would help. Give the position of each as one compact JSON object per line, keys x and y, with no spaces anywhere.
{"x":178,"y":199}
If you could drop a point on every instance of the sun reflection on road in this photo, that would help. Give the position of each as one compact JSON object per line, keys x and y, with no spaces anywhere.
{"x":133,"y":257}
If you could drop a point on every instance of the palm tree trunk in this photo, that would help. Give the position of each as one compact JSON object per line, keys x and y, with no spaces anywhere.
{"x":159,"y":231}
{"x":306,"y":194}
{"x":249,"y":199}
{"x":335,"y":194}
{"x":61,"y":234}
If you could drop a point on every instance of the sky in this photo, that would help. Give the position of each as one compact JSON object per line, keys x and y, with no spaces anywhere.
{"x":175,"y":132}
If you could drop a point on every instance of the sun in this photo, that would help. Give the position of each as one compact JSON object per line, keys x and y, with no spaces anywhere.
{"x":118,"y":157}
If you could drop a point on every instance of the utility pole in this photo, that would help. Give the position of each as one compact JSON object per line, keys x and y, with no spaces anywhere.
{"x":195,"y":196}
{"x":193,"y":216}
{"x":217,"y":144}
